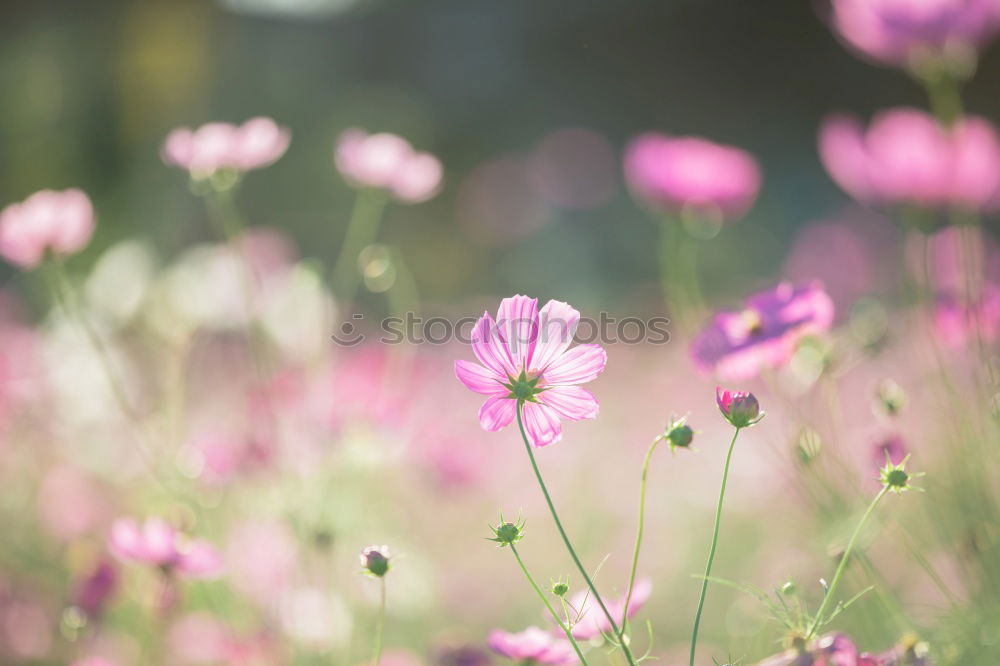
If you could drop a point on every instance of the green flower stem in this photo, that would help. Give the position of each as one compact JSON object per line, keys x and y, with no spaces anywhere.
{"x":638,"y":534}
{"x":555,"y":615}
{"x":569,"y":546}
{"x":379,"y":624}
{"x":818,"y":619}
{"x":362,"y":231}
{"x":711,"y":552}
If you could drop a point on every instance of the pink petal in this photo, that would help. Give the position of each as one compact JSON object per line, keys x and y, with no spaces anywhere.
{"x":571,"y":402}
{"x":159,"y":541}
{"x":542,"y":424}
{"x":75,"y":225}
{"x":479,"y":379}
{"x":843,"y":153}
{"x":419,"y":179}
{"x":178,"y":148}
{"x":580,"y":364}
{"x":199,"y":559}
{"x":489,"y":347}
{"x":260,"y":142}
{"x":496,"y":413}
{"x":517,"y":320}
{"x":557,"y":323}
{"x":125,"y":541}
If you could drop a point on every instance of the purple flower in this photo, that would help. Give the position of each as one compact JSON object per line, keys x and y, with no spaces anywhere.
{"x":95,"y":589}
{"x":892,"y":446}
{"x":739,"y":344}
{"x":902,"y":32}
{"x":532,"y":644}
{"x":828,"y":650}
{"x":157,"y":543}
{"x":675,"y":174}
{"x":906,"y":157}
{"x":526,"y":358}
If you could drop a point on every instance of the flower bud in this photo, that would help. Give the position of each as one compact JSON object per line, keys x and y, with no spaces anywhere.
{"x":375,"y":561}
{"x":507,"y":533}
{"x":678,"y":434}
{"x":560,"y":588}
{"x":740,"y":408}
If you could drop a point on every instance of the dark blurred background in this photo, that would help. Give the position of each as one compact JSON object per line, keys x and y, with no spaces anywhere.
{"x":89,"y":89}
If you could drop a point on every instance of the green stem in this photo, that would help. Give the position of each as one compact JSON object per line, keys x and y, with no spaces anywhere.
{"x":638,"y":534}
{"x":945,"y":97}
{"x":362,"y":231}
{"x":818,"y":619}
{"x":379,"y":624}
{"x":555,"y":615}
{"x":711,"y":552}
{"x":569,"y":546}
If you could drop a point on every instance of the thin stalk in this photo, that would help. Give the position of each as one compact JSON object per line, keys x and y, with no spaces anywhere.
{"x":555,"y":615}
{"x":711,"y":552}
{"x":638,"y":534}
{"x":817,"y":620}
{"x":379,"y":624}
{"x":362,"y":231}
{"x":569,"y":546}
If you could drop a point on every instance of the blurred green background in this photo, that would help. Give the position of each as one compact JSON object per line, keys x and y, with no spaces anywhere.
{"x":91,"y":88}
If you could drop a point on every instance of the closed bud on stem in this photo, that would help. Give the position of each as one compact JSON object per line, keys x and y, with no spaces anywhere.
{"x":678,"y":434}
{"x":740,"y":408}
{"x":507,"y":533}
{"x":375,"y":561}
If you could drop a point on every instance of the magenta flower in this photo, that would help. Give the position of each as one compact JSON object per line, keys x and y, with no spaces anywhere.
{"x":157,"y":543}
{"x":737,"y":345}
{"x":257,"y":143}
{"x":828,"y":650}
{"x":906,"y":157}
{"x":532,"y":644}
{"x":525,"y":358}
{"x":94,"y":590}
{"x":672,"y":174}
{"x":901,"y":32}
{"x":590,"y":621}
{"x":891,"y":448}
{"x":387,"y":162}
{"x":740,"y":408}
{"x":956,"y":322}
{"x":47,"y":221}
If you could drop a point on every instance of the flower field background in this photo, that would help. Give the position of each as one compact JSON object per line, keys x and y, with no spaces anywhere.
{"x":271,"y":391}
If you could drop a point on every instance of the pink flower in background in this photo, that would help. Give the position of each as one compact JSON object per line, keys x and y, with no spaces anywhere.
{"x":899,"y":32}
{"x":957,"y":322}
{"x":94,"y":590}
{"x":532,"y":644}
{"x":906,"y":157}
{"x":892,"y":446}
{"x":592,"y":622}
{"x":93,"y":661}
{"x":257,"y":143}
{"x":689,"y":173}
{"x":157,"y":543}
{"x":525,"y":356}
{"x":262,"y":559}
{"x":47,"y":221}
{"x":739,"y":344}
{"x":387,"y":162}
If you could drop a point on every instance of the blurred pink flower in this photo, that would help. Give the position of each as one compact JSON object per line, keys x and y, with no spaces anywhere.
{"x":93,"y":661}
{"x":829,"y":650}
{"x":900,"y":32}
{"x":738,"y":345}
{"x":525,"y":356}
{"x":534,"y":645}
{"x":47,"y":221}
{"x":70,"y":503}
{"x":906,"y":157}
{"x":677,"y":173}
{"x":156,"y":542}
{"x":262,"y":559}
{"x":94,"y":590}
{"x":257,"y":143}
{"x":957,"y":321}
{"x":592,"y":622}
{"x":388,"y":162}
{"x":892,"y":446}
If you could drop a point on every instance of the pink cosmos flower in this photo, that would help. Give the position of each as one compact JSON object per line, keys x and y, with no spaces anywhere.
{"x":737,"y":345}
{"x":47,"y":221}
{"x":388,"y":162}
{"x":157,"y":543}
{"x":898,"y":32}
{"x":94,"y":590}
{"x":675,"y":173}
{"x":829,"y":650}
{"x":906,"y":157}
{"x":525,"y":358}
{"x":532,"y":644}
{"x":590,"y":619}
{"x":257,"y":143}
{"x":740,"y":408}
{"x":957,"y":322}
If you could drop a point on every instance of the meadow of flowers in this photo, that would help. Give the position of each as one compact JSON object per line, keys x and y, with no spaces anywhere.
{"x":236,"y":454}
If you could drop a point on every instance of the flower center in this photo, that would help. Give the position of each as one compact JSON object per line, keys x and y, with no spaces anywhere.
{"x":752,"y":322}
{"x":524,"y":388}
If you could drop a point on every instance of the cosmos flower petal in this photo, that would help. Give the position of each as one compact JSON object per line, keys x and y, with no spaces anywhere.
{"x":577,"y":366}
{"x":489,"y":347}
{"x":571,"y":402}
{"x":479,"y":379}
{"x":542,"y":424}
{"x":557,"y":323}
{"x":496,"y":413}
{"x":517,"y":320}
